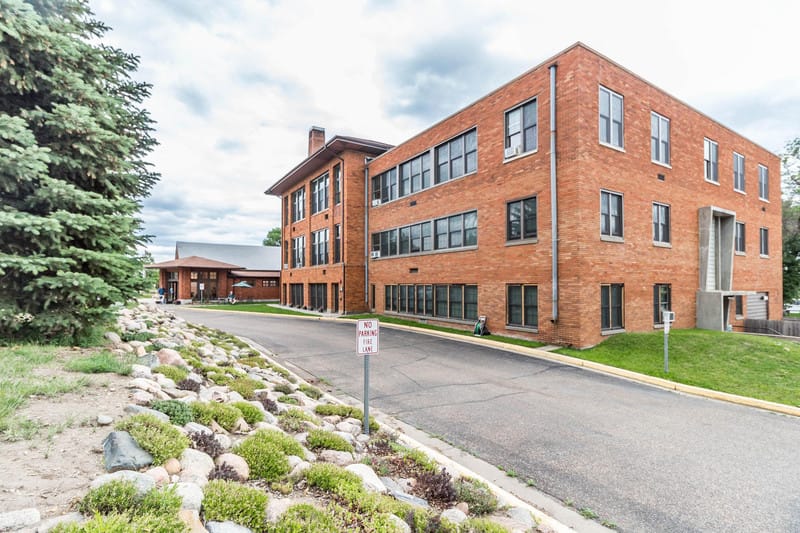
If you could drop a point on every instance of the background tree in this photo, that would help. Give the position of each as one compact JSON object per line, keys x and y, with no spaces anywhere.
{"x":273,"y":237}
{"x":73,"y":137}
{"x":791,"y":220}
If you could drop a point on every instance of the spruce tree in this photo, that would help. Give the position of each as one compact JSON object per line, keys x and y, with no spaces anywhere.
{"x":73,"y":140}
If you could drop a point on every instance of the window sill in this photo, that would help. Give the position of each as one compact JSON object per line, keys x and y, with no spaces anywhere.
{"x":520,"y":156}
{"x":766,"y":201}
{"x":427,"y":252}
{"x":605,"y":332}
{"x":762,"y":256}
{"x":659,"y":163}
{"x":658,"y":326}
{"x":519,"y":242}
{"x":740,"y":191}
{"x":611,"y":238}
{"x":613,"y":147}
{"x":659,"y":244}
{"x":740,"y":253}
{"x":712,"y":182}
{"x":526,"y":329}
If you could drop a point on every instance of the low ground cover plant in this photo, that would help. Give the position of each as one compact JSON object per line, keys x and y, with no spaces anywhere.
{"x":266,"y":451}
{"x":227,"y":500}
{"x":319,"y":439}
{"x":161,"y":439}
{"x":179,"y":413}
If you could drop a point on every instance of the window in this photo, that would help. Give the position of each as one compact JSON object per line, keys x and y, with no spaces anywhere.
{"x":764,"y":242}
{"x":611,"y":306}
{"x":319,"y":247}
{"x":611,"y":118}
{"x":384,"y":187}
{"x":455,"y":231}
{"x":457,"y":157}
{"x":523,"y":306}
{"x":662,"y":301}
{"x":286,"y":210}
{"x":711,"y":157}
{"x":299,"y":204}
{"x":319,"y":193}
{"x":739,"y":237}
{"x":269,"y":282}
{"x":738,"y":172}
{"x":521,"y":129}
{"x":661,"y":223}
{"x":296,"y":292}
{"x":299,"y":251}
{"x":337,"y":184}
{"x":337,"y":243}
{"x":763,"y":182}
{"x":285,"y":254}
{"x":739,"y":306}
{"x":318,"y":296}
{"x":447,"y":301}
{"x":521,"y":219}
{"x":659,"y":138}
{"x":610,"y":214}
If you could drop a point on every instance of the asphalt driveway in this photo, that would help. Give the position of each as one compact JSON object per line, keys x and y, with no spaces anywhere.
{"x":643,"y":458}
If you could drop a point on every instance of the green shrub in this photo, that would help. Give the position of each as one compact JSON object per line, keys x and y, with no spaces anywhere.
{"x":113,"y":497}
{"x":102,"y":362}
{"x":250,"y":412}
{"x":265,"y":452}
{"x":476,"y":494}
{"x":319,"y":439}
{"x":141,"y":336}
{"x":219,"y":378}
{"x":174,"y":373}
{"x":283,"y":388}
{"x":346,"y":411}
{"x":332,"y":478}
{"x":482,"y":525}
{"x":294,"y":419}
{"x":115,"y":523}
{"x":288,"y":399}
{"x":255,"y":361}
{"x":228,"y":500}
{"x":311,"y":392}
{"x":161,"y":439}
{"x":178,"y":412}
{"x":223,"y":414}
{"x":161,"y":502}
{"x":246,"y":387}
{"x":417,"y":458}
{"x":304,"y":517}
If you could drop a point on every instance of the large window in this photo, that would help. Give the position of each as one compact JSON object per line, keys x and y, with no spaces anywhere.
{"x":659,"y":138}
{"x":298,"y":251}
{"x":319,"y":193}
{"x":457,"y":157}
{"x":286,"y":210}
{"x":299,"y":204}
{"x":612,"y":311}
{"x":521,"y":219}
{"x":610,"y":214}
{"x":711,"y":158}
{"x":521,"y":129}
{"x":384,"y":187}
{"x":447,"y":301}
{"x":611,"y":118}
{"x":764,"y":241}
{"x":739,"y":237}
{"x":662,"y":301}
{"x":318,"y":296}
{"x":763,"y":182}
{"x":337,"y":243}
{"x":319,"y":247}
{"x":456,"y":231}
{"x":738,"y":172}
{"x":661,"y":223}
{"x":337,"y":184}
{"x":296,"y":292}
{"x":523,"y":306}
{"x":415,"y":174}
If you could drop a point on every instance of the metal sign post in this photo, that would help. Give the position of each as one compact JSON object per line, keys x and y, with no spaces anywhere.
{"x":668,"y":317}
{"x":367,"y":335}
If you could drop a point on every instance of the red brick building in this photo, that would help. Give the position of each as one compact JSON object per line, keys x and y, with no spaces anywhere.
{"x":575,"y":202}
{"x":323,"y":226}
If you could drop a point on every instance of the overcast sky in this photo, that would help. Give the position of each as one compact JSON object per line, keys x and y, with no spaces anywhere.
{"x":238,"y":83}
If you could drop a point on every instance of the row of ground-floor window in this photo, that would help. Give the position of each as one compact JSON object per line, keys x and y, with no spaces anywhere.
{"x":460,"y":301}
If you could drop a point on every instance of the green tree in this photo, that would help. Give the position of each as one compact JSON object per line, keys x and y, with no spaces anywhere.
{"x":791,"y":220}
{"x":273,"y":237}
{"x":73,"y":137}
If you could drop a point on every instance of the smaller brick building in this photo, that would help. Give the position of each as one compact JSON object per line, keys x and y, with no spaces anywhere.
{"x":207,"y":272}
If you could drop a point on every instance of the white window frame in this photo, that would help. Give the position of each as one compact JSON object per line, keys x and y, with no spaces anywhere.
{"x":660,"y":149}
{"x":611,"y":235}
{"x":711,"y":160}
{"x":763,"y":242}
{"x":519,"y":148}
{"x":738,"y":172}
{"x":763,"y":183}
{"x":660,"y":227}
{"x":740,"y":237}
{"x":605,"y":131}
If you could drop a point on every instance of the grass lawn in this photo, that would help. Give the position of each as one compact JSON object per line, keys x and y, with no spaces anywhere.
{"x":253,"y":308}
{"x":747,"y":365}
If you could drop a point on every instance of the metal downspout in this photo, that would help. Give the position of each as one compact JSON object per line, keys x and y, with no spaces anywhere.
{"x":553,"y":191}
{"x":366,"y":230}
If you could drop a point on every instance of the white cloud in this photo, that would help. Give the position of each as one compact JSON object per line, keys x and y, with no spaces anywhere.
{"x":237,"y":84}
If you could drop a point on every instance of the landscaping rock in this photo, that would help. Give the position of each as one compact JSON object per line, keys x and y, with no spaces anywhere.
{"x":113,"y":337}
{"x":45,"y":526}
{"x":145,"y":384}
{"x":453,"y":515}
{"x":172,"y":466}
{"x":14,"y":520}
{"x":226,"y":527}
{"x":336,"y":457}
{"x":142,"y":482}
{"x":194,"y":427}
{"x":139,"y":409}
{"x":121,"y":452}
{"x":168,"y":356}
{"x":191,"y":494}
{"x":522,"y":516}
{"x":140,"y":371}
{"x":399,"y":524}
{"x":237,"y":463}
{"x":196,"y":466}
{"x":368,"y":477}
{"x":191,"y":518}
{"x":104,"y":420}
{"x":142,"y":398}
{"x":223,"y":440}
{"x":159,"y":474}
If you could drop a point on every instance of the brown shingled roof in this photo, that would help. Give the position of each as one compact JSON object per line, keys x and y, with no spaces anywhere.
{"x":194,"y":262}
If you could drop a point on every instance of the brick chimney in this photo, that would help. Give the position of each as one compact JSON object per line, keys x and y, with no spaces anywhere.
{"x":316,"y":139}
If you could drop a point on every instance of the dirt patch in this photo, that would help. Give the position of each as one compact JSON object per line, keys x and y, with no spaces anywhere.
{"x":52,"y":470}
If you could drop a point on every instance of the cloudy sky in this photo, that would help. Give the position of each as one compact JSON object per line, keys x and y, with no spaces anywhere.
{"x":238,"y":83}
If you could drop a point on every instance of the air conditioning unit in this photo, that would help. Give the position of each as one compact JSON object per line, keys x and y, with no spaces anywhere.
{"x":374,"y":255}
{"x":376,"y":202}
{"x":511,"y":151}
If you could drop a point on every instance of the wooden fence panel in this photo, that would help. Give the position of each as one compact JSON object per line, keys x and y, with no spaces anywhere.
{"x":789,"y":327}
